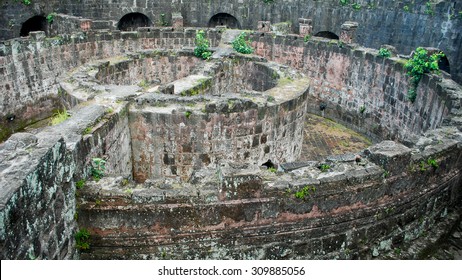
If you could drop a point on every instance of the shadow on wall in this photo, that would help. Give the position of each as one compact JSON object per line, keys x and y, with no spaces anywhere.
{"x":327,"y":34}
{"x":224,"y":19}
{"x":36,"y":23}
{"x":131,"y":21}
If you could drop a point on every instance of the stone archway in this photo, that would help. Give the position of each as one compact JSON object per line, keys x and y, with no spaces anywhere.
{"x":224,"y":19}
{"x":443,"y":64}
{"x":327,"y":34}
{"x":132,"y":21}
{"x":36,"y":23}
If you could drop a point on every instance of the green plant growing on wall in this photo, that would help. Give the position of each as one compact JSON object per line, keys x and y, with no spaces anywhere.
{"x":241,"y":44}
{"x":324,"y":167}
{"x":60,"y":117}
{"x":419,"y":64}
{"x":163,"y":20}
{"x":429,"y":9}
{"x":423,"y":166}
{"x":305,"y":193}
{"x":80,"y":184}
{"x":356,"y":6}
{"x":384,"y":52}
{"x":202,"y":46}
{"x":98,"y":167}
{"x":268,"y":1}
{"x":344,"y":2}
{"x":82,"y":238}
{"x":25,"y":2}
{"x":51,"y":17}
{"x":406,"y":8}
{"x":362,"y":109}
{"x":306,"y":38}
{"x":433,"y":163}
{"x":187,"y":114}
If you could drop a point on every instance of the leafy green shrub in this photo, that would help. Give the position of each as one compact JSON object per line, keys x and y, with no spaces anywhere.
{"x":241,"y":45}
{"x":344,"y":2}
{"x":383,"y":52}
{"x":202,"y":46}
{"x":98,"y":167}
{"x":82,"y":238}
{"x":419,"y":64}
{"x":306,"y":38}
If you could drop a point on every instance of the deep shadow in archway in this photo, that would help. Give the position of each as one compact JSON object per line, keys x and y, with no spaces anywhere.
{"x":327,"y":34}
{"x":443,"y":64}
{"x":224,"y":19}
{"x":132,"y":21}
{"x":36,"y":23}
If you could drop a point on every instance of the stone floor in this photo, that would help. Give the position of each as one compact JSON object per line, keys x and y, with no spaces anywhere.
{"x":324,"y":137}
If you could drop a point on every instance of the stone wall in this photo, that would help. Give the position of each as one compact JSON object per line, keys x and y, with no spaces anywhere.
{"x":38,"y":180}
{"x":32,"y":66}
{"x":403,"y":24}
{"x":361,"y":89}
{"x":378,"y":209}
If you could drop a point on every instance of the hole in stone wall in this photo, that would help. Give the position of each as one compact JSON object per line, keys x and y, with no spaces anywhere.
{"x":132,"y":21}
{"x":444,"y":65}
{"x":224,"y":19}
{"x":327,"y":34}
{"x":36,"y":23}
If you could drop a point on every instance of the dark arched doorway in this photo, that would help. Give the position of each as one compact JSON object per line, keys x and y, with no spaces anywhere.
{"x":224,"y":19}
{"x":132,"y":21}
{"x":443,"y":64}
{"x":36,"y":23}
{"x":327,"y":34}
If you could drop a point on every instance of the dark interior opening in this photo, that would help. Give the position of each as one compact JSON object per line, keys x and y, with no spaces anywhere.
{"x":36,"y":23}
{"x":130,"y":22}
{"x":443,"y":64}
{"x":327,"y":34}
{"x":224,"y":19}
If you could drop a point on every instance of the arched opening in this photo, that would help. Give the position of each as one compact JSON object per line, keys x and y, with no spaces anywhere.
{"x":224,"y":19}
{"x":132,"y":21}
{"x":36,"y":23}
{"x":443,"y":64}
{"x":327,"y":34}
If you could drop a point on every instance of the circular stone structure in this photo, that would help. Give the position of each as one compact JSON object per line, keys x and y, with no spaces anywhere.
{"x":181,"y":142}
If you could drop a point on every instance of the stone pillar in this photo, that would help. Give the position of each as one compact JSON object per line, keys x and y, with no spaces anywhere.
{"x":264,"y":26}
{"x":348,"y":33}
{"x":177,"y":21}
{"x":306,"y":26}
{"x":85,"y":24}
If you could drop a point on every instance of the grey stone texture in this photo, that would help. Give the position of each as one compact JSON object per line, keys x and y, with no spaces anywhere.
{"x":231,"y":209}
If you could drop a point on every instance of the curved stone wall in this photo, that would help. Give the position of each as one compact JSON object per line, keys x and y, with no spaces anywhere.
{"x":347,"y":78}
{"x":369,"y":208}
{"x":32,"y":67}
{"x":403,"y":24}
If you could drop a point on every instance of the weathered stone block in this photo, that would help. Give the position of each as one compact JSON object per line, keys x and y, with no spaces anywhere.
{"x":393,"y":157}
